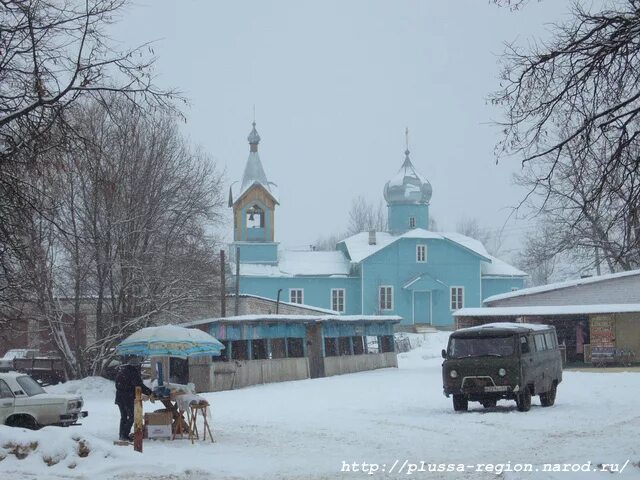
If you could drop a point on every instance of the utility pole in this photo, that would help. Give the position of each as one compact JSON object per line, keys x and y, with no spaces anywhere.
{"x":237,"y":305}
{"x":223,"y":286}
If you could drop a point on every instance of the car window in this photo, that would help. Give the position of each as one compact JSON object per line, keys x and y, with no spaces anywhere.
{"x":30,"y":386}
{"x":550,"y":338}
{"x":524,"y":345}
{"x":5,"y":391}
{"x":540,"y":345}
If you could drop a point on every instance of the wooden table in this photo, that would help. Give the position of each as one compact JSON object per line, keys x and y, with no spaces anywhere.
{"x":179,"y":426}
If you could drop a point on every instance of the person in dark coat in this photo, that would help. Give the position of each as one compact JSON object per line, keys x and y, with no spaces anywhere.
{"x":127,"y":379}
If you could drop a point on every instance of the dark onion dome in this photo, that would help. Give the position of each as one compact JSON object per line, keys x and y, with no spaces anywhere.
{"x":254,"y":138}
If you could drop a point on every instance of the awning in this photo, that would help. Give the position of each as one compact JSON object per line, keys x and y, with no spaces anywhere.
{"x":424,"y":283}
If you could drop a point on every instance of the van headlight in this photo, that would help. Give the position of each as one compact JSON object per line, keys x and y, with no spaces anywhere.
{"x":502,"y":372}
{"x":453,"y":374}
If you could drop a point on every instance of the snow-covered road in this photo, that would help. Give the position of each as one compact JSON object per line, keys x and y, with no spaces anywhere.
{"x":313,"y":429}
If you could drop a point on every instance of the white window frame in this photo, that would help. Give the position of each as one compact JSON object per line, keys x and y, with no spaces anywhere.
{"x":412,"y":222}
{"x":334,"y":291}
{"x":291,"y":299}
{"x":388,"y":297}
{"x":422,"y":247}
{"x":452,"y":299}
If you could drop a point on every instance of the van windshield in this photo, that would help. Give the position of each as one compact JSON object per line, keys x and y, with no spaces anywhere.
{"x":481,"y":347}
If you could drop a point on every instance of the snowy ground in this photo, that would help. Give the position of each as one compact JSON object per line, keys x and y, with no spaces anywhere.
{"x":307,"y":429}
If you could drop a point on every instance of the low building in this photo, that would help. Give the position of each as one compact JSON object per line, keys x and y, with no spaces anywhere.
{"x":276,"y":348}
{"x":596,"y":318}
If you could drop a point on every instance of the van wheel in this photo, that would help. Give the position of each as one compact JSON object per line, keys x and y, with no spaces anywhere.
{"x":523,"y":400}
{"x":489,"y":403}
{"x":549,"y":398}
{"x":460,"y":403}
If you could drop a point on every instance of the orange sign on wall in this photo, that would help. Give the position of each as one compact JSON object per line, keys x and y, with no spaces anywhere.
{"x":602,"y":332}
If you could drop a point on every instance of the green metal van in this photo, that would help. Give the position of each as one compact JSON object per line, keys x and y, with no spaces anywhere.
{"x":502,"y":361}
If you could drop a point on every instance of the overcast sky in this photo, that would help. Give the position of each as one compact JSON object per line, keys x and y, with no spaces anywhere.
{"x":334,"y":84}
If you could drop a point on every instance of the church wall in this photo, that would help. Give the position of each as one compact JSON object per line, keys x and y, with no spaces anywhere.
{"x":317,"y":290}
{"x":399,"y":217}
{"x":396,"y":265}
{"x":254,"y":252}
{"x":494,"y":286}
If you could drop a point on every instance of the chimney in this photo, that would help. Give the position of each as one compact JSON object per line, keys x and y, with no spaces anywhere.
{"x":372,"y":237}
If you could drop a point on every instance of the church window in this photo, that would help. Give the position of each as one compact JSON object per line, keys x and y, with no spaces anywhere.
{"x":457,"y":298}
{"x":255,"y":217}
{"x":337,"y":299}
{"x":296,"y":295}
{"x":385,"y":295}
{"x":412,"y":222}
{"x":421,"y":253}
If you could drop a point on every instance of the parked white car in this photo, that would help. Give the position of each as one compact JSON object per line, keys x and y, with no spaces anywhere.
{"x":24,"y":403}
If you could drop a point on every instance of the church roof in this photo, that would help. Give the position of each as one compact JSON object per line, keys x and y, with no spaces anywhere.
{"x":253,"y":172}
{"x":359,"y":249}
{"x":300,"y":263}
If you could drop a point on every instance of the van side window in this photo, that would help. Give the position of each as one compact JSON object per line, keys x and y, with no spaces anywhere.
{"x":550,"y":338}
{"x":539,"y":340}
{"x":524,"y":345}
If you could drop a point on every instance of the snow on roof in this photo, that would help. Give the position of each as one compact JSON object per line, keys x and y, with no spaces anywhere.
{"x":293,"y":263}
{"x":297,"y":319}
{"x":505,"y":326}
{"x":238,"y":190}
{"x":559,"y":285}
{"x":547,"y":310}
{"x":497,"y":267}
{"x":300,"y":305}
{"x":359,"y":248}
{"x":500,"y":268}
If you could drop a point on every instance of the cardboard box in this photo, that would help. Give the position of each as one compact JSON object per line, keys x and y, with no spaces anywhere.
{"x":158,"y":431}
{"x":157,"y":418}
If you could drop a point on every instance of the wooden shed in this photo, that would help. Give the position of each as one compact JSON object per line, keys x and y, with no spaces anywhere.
{"x":275,"y":348}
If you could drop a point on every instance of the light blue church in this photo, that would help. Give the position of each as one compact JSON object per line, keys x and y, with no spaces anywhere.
{"x":420,"y":275}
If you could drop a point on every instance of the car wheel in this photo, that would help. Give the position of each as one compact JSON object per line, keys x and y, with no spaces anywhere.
{"x":489,"y":403}
{"x":23,"y":421}
{"x":523,"y":400}
{"x":460,"y":403}
{"x":549,"y":398}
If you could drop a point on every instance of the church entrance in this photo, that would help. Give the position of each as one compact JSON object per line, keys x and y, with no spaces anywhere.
{"x":421,"y":307}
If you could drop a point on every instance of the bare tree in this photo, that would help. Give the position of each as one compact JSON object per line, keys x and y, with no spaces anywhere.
{"x":147,"y":199}
{"x":571,"y":113}
{"x":471,"y":228}
{"x":364,"y":216}
{"x":52,"y":53}
{"x":128,"y":205}
{"x":539,"y":257}
{"x":511,"y":4}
